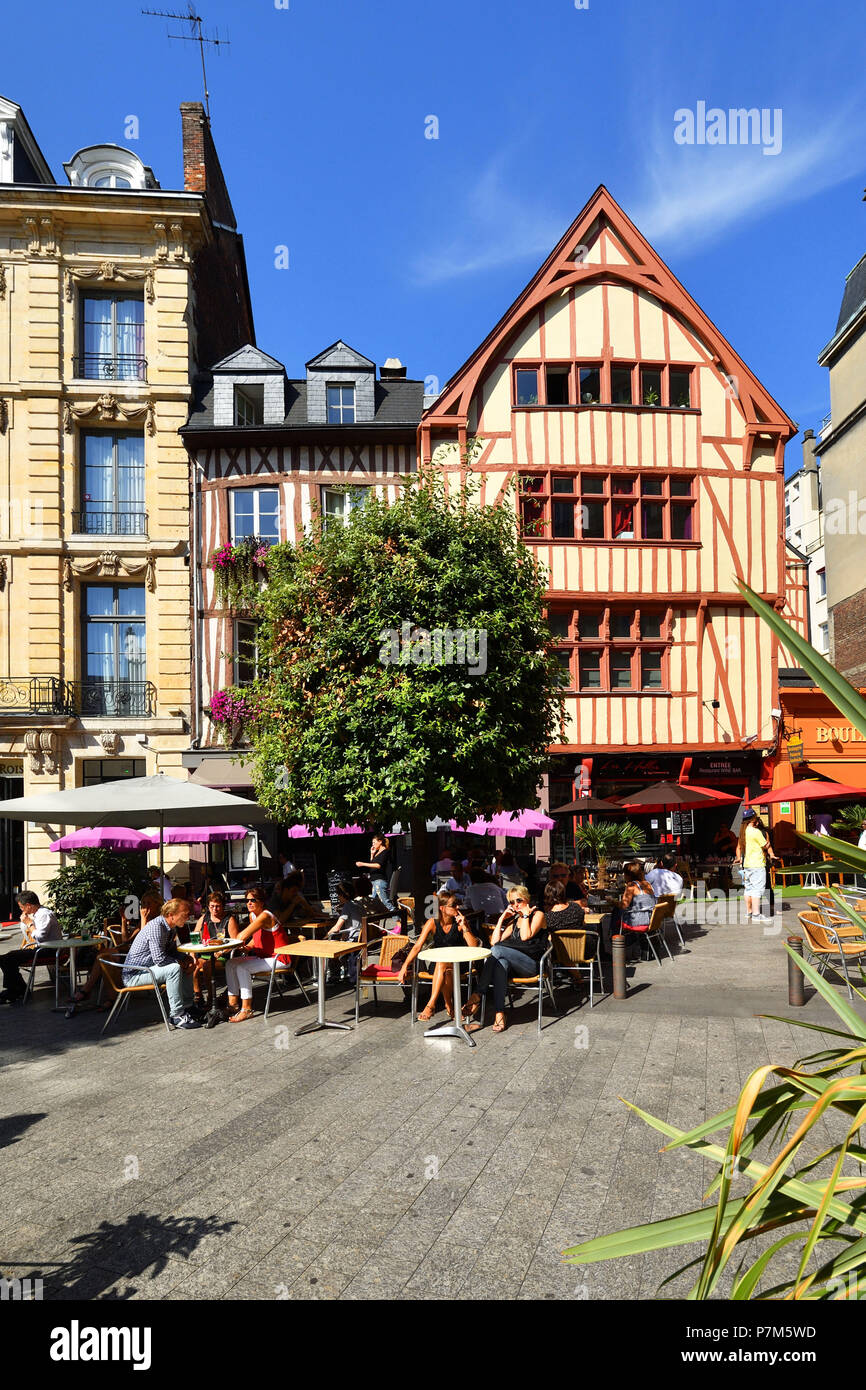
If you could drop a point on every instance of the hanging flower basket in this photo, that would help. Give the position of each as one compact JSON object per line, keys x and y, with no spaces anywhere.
{"x":239,"y":569}
{"x":230,"y":712}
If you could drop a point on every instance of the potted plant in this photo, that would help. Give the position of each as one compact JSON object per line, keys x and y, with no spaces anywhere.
{"x":650,"y":396}
{"x":238,"y":569}
{"x":605,"y":840}
{"x":83,"y":894}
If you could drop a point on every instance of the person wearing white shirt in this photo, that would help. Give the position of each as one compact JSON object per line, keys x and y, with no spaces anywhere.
{"x":42,"y":926}
{"x":861,"y":843}
{"x":663,"y":880}
{"x":487,"y":897}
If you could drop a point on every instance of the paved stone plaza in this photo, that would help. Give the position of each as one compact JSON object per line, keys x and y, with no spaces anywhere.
{"x":245,"y":1162}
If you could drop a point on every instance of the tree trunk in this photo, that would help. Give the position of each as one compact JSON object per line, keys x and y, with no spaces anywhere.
{"x":602,"y":873}
{"x":421,"y":861}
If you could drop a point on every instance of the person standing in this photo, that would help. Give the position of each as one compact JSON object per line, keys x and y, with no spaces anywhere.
{"x":753,"y":851}
{"x":379,"y":868}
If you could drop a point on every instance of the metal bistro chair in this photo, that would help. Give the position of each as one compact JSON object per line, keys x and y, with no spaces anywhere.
{"x":523,"y":983}
{"x":122,"y":992}
{"x":825,"y":941}
{"x":274,"y":978}
{"x":669,"y":900}
{"x":653,"y":933}
{"x":56,"y":961}
{"x":379,"y":972}
{"x":575,"y":952}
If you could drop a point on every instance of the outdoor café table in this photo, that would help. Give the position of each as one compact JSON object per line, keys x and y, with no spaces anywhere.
{"x":70,"y":944}
{"x":321,"y":951}
{"x":453,"y":955}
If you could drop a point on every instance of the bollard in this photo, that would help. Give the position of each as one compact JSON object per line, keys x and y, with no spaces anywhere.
{"x":617,"y":950}
{"x":796,"y":978}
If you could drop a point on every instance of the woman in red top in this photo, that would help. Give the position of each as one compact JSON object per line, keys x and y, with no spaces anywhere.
{"x":260,"y":939}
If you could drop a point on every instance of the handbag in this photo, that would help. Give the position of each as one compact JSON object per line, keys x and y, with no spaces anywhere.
{"x":398,"y":960}
{"x":737,"y":877}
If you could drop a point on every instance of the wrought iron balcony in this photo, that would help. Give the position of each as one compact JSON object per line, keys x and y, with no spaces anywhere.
{"x":98,"y":521}
{"x":50,"y":695}
{"x":33,"y":695}
{"x":130,"y":699}
{"x":98,"y":366}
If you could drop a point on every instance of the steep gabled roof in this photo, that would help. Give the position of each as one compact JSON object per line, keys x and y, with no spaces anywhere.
{"x":643,"y":270}
{"x":248,"y":359}
{"x":340,"y":355}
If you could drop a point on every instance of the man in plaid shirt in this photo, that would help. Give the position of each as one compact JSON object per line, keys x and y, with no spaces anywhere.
{"x":153,"y":955}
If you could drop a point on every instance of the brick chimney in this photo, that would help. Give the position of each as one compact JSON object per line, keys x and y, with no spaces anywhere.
{"x":201,"y":167}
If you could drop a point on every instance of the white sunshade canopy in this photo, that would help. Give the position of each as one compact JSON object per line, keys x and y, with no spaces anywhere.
{"x":137,"y":802}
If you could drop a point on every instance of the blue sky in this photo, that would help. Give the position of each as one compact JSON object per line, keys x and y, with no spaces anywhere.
{"x":413,"y":247}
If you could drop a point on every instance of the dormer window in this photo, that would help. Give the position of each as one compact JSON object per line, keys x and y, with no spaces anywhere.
{"x":249,"y":405}
{"x":108,"y":166}
{"x":341,"y":404}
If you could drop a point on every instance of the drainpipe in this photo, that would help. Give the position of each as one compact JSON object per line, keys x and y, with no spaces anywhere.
{"x":196,"y":574}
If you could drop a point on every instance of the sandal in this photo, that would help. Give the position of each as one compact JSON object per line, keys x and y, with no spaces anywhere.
{"x":473,"y":1027}
{"x":241,"y":1015}
{"x":80,"y":996}
{"x":472,"y":1005}
{"x":499,"y":1025}
{"x":428,"y":1013}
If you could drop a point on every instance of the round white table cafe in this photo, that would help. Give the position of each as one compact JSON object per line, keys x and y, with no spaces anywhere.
{"x":456,"y":956}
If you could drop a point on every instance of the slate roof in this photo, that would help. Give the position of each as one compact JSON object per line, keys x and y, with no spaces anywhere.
{"x":398,"y":405}
{"x":854,"y":296}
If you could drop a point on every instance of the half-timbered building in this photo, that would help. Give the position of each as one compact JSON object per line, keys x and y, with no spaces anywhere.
{"x":266,"y":452}
{"x":649,"y":466}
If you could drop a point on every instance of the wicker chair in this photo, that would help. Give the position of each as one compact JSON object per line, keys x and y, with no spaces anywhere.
{"x":575,"y":951}
{"x":379,"y":972}
{"x":826,"y":942}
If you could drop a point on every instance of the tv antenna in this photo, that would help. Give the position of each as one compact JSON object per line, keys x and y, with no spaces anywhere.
{"x":196,"y":35}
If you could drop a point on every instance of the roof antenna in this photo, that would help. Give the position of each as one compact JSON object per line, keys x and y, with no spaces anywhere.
{"x":196,"y":35}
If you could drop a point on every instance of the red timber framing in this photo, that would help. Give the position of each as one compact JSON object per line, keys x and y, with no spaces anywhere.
{"x":656,"y":459}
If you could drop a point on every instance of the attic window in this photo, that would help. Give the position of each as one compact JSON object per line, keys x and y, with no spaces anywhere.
{"x":109,"y":181}
{"x":341,"y":405}
{"x":249,"y":405}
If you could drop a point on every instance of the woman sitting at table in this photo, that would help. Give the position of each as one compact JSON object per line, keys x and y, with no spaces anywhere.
{"x":638,"y":899}
{"x":292,"y":902}
{"x":261,"y":939}
{"x":518,"y":942}
{"x":559,"y":912}
{"x":452,"y":929}
{"x":216,"y":920}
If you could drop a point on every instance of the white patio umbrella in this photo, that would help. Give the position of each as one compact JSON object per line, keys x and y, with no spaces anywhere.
{"x":137,"y":802}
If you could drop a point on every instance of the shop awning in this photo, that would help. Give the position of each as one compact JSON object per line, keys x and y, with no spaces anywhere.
{"x":221,"y":772}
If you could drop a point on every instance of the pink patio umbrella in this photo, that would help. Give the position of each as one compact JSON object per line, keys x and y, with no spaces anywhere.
{"x":199,"y":835}
{"x":516,"y":823}
{"x":116,"y":837}
{"x":303,"y":832}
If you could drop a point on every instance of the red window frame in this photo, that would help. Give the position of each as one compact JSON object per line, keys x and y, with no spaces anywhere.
{"x":569,"y":647}
{"x":543,"y":490}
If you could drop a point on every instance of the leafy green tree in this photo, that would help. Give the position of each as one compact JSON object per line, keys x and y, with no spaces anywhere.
{"x":94,"y":887}
{"x":368,"y":710}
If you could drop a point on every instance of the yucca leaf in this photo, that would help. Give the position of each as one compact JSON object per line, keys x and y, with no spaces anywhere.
{"x":839,"y":1006}
{"x":745,"y":1286}
{"x":843,"y":695}
{"x":847,"y":854}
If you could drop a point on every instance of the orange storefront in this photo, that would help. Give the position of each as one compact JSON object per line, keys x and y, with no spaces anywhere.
{"x":818,"y":742}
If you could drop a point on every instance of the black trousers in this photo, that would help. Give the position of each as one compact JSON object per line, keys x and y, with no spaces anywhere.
{"x":12,"y":979}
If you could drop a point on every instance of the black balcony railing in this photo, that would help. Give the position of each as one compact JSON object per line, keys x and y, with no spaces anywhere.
{"x":132,"y":699}
{"x":33,"y":695}
{"x":98,"y":366}
{"x":50,"y":695}
{"x":99,"y":521}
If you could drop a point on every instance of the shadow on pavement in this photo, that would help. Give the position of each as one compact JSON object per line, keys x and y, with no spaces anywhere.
{"x":13,"y":1126}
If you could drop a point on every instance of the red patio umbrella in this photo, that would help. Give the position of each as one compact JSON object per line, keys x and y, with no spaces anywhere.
{"x":667,"y":796}
{"x":585,"y":804}
{"x":812,"y":789}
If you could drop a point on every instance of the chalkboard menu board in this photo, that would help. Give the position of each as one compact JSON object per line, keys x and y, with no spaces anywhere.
{"x":682,"y":822}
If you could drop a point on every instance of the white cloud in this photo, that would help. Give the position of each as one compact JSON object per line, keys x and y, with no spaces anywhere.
{"x":494,"y":227}
{"x":698,"y":193}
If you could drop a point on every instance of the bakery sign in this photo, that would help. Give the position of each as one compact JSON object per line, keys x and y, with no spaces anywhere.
{"x":838,"y":733}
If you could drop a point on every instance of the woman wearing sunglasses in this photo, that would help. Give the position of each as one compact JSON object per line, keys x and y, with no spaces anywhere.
{"x":260,"y":940}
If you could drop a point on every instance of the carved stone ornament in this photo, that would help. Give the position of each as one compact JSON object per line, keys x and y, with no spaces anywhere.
{"x":110,"y":741}
{"x":108,"y":408}
{"x":110,"y":565}
{"x":42,"y":235}
{"x":43,"y":749}
{"x":110,"y":271}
